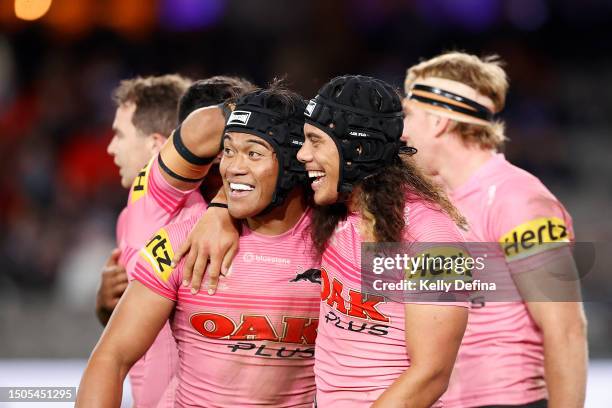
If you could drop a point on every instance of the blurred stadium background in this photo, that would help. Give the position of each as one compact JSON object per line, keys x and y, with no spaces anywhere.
{"x":60,"y":190}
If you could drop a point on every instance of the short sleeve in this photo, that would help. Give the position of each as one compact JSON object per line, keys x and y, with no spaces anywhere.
{"x":153,"y":266}
{"x":437,"y":245}
{"x":529,"y":223}
{"x":121,"y":225}
{"x":426,"y":222}
{"x":151,"y":183}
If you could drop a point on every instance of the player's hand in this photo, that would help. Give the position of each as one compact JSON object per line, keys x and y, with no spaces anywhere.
{"x":214,"y":238}
{"x":113,"y":283}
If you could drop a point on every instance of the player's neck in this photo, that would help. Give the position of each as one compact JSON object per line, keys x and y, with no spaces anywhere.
{"x":280,"y":219}
{"x":461,"y":162}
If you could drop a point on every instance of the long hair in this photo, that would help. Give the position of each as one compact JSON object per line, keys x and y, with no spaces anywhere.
{"x":381,"y":199}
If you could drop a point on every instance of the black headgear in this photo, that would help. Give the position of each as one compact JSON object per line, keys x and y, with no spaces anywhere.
{"x":258,"y":113}
{"x":363,"y":115}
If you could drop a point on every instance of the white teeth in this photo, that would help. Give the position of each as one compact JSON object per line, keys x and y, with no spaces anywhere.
{"x":315,"y":174}
{"x":241,"y":187}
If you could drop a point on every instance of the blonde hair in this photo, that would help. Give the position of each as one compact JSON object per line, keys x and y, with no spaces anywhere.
{"x":485,"y":75}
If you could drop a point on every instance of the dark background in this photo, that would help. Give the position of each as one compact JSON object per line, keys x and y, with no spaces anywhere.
{"x":60,"y":191}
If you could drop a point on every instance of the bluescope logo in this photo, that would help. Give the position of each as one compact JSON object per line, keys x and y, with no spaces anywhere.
{"x":141,"y":183}
{"x":358,"y":305}
{"x":159,"y":254}
{"x":530,"y":237}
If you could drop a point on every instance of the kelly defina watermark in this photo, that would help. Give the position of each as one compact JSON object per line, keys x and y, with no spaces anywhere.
{"x":424,"y":272}
{"x":487,"y":271}
{"x":441,"y":268}
{"x":428,"y":285}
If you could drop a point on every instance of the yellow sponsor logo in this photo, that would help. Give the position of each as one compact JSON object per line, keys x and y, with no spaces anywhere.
{"x":530,"y":237}
{"x":159,"y":254}
{"x":441,"y":262}
{"x":141,"y":183}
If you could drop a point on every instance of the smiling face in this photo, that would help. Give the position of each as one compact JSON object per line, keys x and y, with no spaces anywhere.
{"x":322,"y":160}
{"x":249,"y":169}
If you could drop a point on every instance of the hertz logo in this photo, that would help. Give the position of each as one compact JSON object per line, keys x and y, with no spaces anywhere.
{"x":141,"y":183}
{"x":528,"y":238}
{"x":159,"y":254}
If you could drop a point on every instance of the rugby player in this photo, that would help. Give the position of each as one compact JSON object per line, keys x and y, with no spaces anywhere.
{"x":146,"y":113}
{"x":210,"y":92}
{"x":252,"y":344}
{"x":132,"y":146}
{"x":520,"y":353}
{"x":370,"y":351}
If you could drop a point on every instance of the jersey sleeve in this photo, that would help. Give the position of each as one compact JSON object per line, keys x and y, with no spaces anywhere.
{"x":151,"y":183}
{"x":434,"y":238}
{"x":530,"y":225}
{"x":425,"y":222}
{"x":153,"y":265}
{"x":120,"y":230}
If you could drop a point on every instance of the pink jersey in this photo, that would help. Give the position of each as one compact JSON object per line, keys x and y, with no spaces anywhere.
{"x":501,"y":359}
{"x":153,"y":203}
{"x":252,"y":343}
{"x":361,"y":346}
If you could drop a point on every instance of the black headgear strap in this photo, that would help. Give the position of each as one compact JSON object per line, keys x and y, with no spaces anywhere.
{"x":451,"y":101}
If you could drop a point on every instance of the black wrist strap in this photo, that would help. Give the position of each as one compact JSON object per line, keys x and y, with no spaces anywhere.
{"x":220,"y":205}
{"x":172,"y":174}
{"x":186,"y":153}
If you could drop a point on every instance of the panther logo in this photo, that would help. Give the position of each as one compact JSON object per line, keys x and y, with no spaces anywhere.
{"x":310,"y":275}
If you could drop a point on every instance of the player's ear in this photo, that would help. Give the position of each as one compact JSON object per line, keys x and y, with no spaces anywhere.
{"x":440,"y":124}
{"x":156,"y":141}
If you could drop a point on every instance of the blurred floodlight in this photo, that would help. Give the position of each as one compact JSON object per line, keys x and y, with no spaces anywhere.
{"x":31,"y":9}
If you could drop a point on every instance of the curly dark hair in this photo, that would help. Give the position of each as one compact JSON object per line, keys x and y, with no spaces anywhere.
{"x":381,"y":199}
